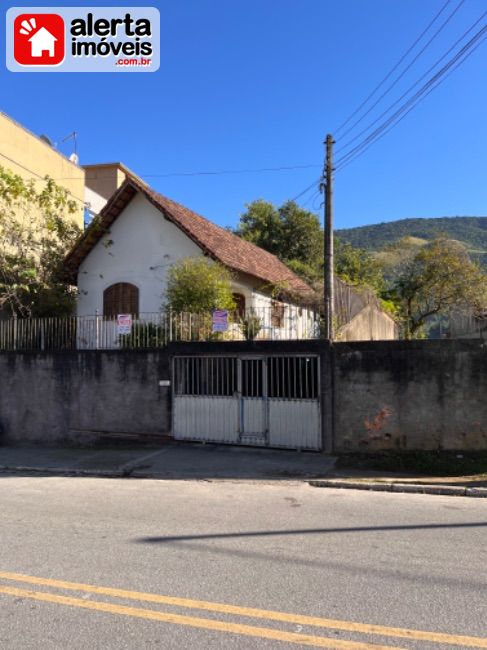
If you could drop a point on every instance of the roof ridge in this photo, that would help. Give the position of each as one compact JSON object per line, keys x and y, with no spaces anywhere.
{"x":221,"y":228}
{"x":219,"y":243}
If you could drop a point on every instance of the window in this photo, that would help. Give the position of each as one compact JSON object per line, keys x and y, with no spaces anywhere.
{"x":239,"y":299}
{"x":121,"y":298}
{"x":277,"y":314}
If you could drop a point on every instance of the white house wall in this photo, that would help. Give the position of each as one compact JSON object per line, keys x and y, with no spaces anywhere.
{"x":141,"y":247}
{"x":144,"y":246}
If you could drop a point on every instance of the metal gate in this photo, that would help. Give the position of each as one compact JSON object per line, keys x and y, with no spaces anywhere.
{"x":266,"y":401}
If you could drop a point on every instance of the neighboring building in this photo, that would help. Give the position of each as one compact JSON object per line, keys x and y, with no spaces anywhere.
{"x":121,"y":265}
{"x":102,"y":181}
{"x":33,"y":158}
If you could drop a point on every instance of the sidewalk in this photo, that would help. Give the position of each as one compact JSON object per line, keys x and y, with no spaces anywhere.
{"x":193,"y":461}
{"x":171,"y":461}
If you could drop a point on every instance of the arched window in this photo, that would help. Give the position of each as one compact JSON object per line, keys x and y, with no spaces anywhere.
{"x":121,"y":298}
{"x":239,"y":300}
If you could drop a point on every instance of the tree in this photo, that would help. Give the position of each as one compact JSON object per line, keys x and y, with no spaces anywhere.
{"x":261,"y":225}
{"x":289,"y":232}
{"x":358,"y":267}
{"x":198,"y":285}
{"x":36,"y":232}
{"x":434,"y":279}
{"x":296,"y":237}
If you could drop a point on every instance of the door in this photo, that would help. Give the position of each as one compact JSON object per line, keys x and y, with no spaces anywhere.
{"x":253,"y":401}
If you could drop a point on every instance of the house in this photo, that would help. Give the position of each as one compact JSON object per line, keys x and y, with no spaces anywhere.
{"x":42,"y":41}
{"x":121,"y":263}
{"x":120,"y":266}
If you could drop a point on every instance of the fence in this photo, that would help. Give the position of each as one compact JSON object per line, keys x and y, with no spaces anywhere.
{"x":155,"y":330}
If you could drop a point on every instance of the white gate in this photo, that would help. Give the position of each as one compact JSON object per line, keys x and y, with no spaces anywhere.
{"x":266,"y":401}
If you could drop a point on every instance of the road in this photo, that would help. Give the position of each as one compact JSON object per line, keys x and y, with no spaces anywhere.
{"x":126,"y":563}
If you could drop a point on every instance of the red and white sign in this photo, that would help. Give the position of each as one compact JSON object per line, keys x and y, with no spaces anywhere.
{"x":124,"y":324}
{"x":39,"y":39}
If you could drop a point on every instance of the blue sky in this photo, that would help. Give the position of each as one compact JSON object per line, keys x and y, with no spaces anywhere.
{"x":258,"y":83}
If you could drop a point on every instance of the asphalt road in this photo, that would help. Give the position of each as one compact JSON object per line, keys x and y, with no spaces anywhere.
{"x":125,"y":563}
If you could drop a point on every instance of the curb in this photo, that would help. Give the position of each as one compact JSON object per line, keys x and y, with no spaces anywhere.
{"x":410,"y":488}
{"x":65,"y":471}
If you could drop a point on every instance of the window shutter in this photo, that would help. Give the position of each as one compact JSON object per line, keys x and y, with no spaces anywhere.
{"x":121,"y":298}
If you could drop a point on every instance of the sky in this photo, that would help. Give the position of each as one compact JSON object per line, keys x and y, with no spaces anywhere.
{"x":252,"y":84}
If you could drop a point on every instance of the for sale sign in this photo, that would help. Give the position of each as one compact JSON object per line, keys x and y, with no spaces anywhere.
{"x":220,"y":320}
{"x":83,"y":39}
{"x":124,"y":324}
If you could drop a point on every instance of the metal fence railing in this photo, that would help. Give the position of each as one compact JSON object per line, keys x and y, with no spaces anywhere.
{"x":155,"y":330}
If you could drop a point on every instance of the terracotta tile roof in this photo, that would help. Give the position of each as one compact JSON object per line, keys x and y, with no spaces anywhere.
{"x":220,"y":244}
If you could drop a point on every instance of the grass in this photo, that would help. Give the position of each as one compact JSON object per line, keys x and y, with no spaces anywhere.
{"x":429,"y":463}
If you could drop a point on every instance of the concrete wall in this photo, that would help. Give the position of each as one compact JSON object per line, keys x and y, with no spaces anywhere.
{"x":25,"y":154}
{"x":371,"y":324}
{"x":375,"y":395}
{"x":410,"y":395}
{"x":50,"y":398}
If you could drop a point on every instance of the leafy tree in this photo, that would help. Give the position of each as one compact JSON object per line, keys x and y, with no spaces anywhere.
{"x":289,"y":232}
{"x":296,"y":237}
{"x":434,"y":279}
{"x":36,"y":232}
{"x":302,"y":236}
{"x":261,"y":225}
{"x":358,"y":267}
{"x":198,"y":285}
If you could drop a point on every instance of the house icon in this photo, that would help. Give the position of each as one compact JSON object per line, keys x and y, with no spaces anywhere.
{"x":41,"y":42}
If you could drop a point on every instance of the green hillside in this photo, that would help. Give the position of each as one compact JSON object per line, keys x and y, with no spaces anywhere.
{"x":472,"y":231}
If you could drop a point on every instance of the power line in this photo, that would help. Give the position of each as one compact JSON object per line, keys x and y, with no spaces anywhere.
{"x":217,"y":173}
{"x":307,"y":189}
{"x":428,"y":88}
{"x":393,"y":69}
{"x":386,"y":92}
{"x":230,"y":171}
{"x":432,"y":67}
{"x":342,"y":166}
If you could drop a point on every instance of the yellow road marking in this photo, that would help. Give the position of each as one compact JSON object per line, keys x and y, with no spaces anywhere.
{"x":298,"y":619}
{"x":190,"y":621}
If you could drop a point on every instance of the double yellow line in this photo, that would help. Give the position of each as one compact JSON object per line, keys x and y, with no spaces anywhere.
{"x":224,"y":626}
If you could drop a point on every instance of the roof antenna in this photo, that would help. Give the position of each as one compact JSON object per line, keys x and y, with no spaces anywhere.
{"x":73,"y":136}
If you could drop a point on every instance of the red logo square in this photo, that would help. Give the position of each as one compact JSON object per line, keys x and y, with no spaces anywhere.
{"x":39,"y":39}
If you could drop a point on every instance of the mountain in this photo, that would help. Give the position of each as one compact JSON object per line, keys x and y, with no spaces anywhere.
{"x":471,"y":231}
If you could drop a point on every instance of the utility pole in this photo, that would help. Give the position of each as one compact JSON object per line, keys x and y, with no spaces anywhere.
{"x":327,"y":184}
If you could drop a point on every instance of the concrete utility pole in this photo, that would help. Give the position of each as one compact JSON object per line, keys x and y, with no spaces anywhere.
{"x":327,"y":184}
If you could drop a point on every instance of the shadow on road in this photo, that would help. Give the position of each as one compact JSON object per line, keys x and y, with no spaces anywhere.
{"x":306,"y":531}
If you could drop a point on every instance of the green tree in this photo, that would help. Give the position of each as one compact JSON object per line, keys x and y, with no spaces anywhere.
{"x":302,"y":236}
{"x":358,"y":267}
{"x":261,"y":225}
{"x":198,"y":285}
{"x":36,"y":232}
{"x":433,"y":280}
{"x":289,"y":232}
